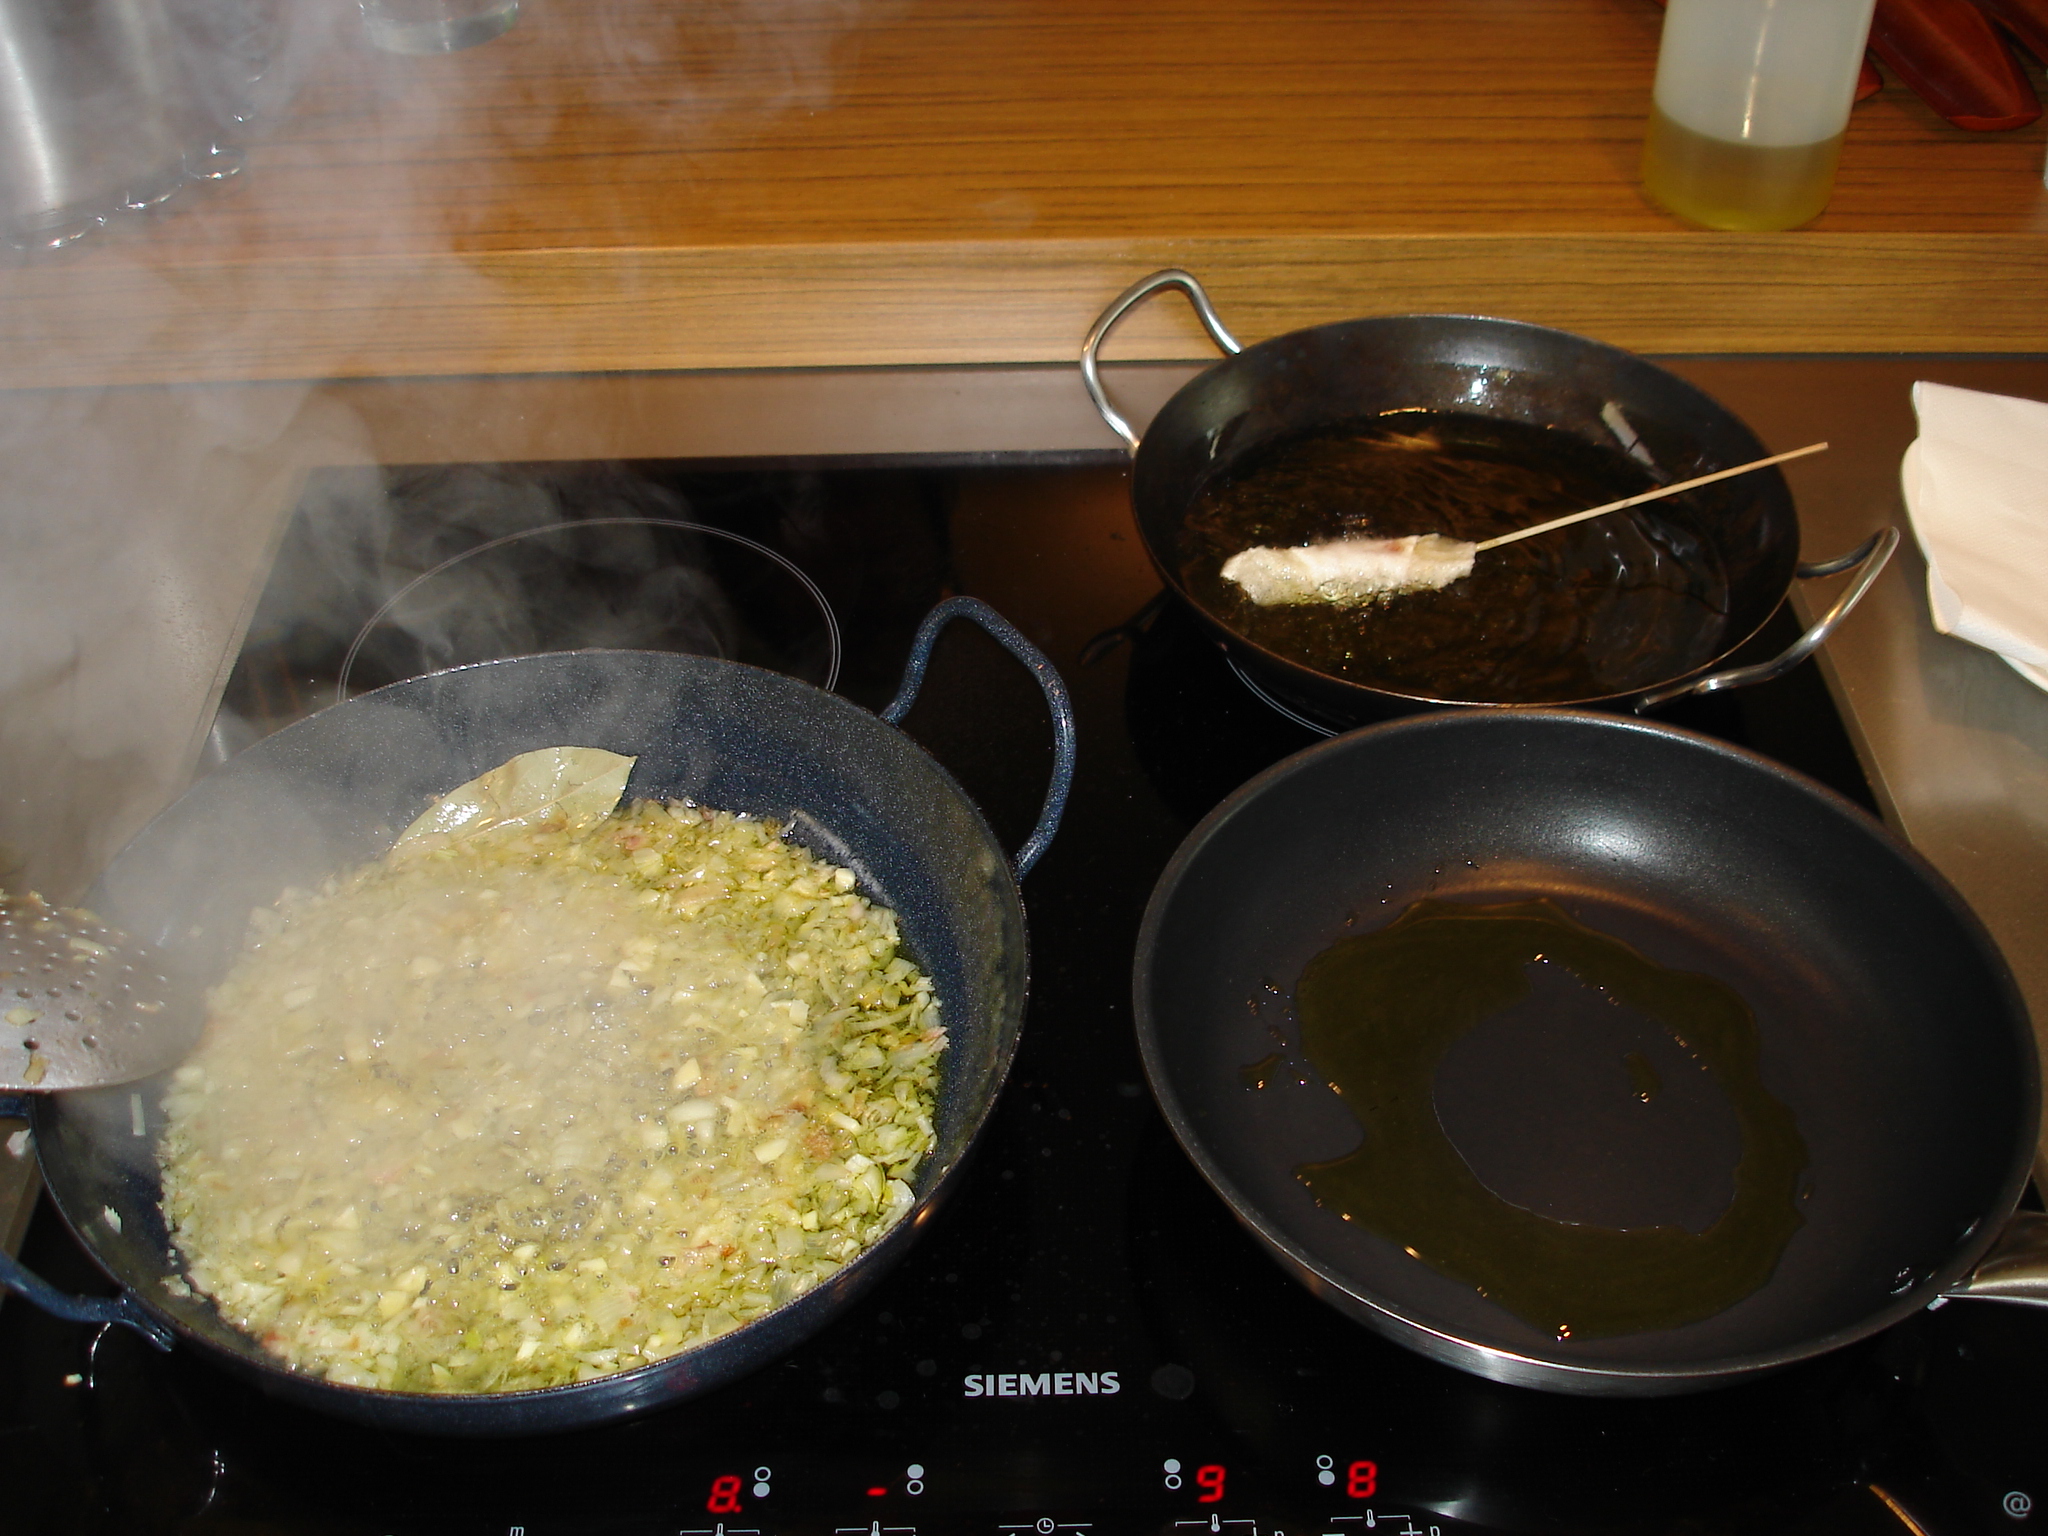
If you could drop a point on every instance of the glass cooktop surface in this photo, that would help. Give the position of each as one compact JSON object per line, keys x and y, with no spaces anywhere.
{"x":1083,"y":1340}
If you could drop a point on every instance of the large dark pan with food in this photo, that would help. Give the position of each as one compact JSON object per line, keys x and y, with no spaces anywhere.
{"x":1490,"y":1167}
{"x":1623,"y":612}
{"x":332,"y":791}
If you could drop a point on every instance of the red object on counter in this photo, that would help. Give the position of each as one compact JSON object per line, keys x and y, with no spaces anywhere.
{"x":1955,"y":61}
{"x":2026,"y":20}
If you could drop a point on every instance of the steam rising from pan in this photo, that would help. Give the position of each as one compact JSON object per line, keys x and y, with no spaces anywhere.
{"x":135,"y":525}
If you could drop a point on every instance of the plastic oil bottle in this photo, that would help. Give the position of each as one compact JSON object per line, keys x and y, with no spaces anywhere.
{"x":1751,"y":102}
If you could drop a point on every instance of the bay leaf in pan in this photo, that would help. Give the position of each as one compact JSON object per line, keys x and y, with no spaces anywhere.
{"x":577,"y":783}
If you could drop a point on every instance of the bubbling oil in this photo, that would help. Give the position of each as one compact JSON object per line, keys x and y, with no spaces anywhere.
{"x":1728,"y":185}
{"x":1609,"y":606}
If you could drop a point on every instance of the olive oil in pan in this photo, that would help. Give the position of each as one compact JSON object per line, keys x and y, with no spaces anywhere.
{"x":1379,"y":1010}
{"x":1608,"y":606}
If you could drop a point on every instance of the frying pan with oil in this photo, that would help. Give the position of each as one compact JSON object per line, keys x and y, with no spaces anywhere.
{"x":1888,"y":1025}
{"x":1736,"y":543}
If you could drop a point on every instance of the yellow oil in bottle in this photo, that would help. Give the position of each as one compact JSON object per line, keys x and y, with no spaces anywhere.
{"x":1728,"y":185}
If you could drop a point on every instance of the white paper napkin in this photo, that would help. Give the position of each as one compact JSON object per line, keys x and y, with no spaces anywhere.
{"x":1976,"y":482}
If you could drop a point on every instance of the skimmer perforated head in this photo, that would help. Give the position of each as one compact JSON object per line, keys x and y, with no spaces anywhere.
{"x":82,"y":1004}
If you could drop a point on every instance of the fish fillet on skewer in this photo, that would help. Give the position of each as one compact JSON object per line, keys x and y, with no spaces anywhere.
{"x":1353,"y":572}
{"x":1349,"y":572}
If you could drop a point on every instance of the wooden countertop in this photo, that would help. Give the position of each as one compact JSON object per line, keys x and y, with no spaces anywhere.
{"x":637,"y":184}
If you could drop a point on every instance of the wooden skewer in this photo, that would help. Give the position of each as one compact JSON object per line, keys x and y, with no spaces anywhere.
{"x":1636,"y":501}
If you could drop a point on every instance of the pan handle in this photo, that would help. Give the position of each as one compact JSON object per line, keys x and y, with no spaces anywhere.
{"x":1057,"y":700}
{"x":1868,"y":559}
{"x":2016,"y":1268}
{"x":1122,"y":304}
{"x":123,"y":1309}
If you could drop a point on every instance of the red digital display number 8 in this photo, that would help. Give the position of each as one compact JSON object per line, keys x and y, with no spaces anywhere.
{"x":725,"y":1495}
{"x":1210,"y":1480}
{"x":1362,"y":1481}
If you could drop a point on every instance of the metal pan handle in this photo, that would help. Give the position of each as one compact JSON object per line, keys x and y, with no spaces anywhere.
{"x":1057,"y":700}
{"x":2016,"y":1268}
{"x":31,"y":1287}
{"x":1868,"y":559}
{"x":1122,"y":304}
{"x":123,"y":1309}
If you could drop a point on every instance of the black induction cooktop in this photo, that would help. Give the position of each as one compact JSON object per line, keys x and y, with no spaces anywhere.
{"x":1083,"y":1341}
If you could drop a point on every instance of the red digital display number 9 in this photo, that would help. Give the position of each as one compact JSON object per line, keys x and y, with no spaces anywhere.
{"x":725,"y":1495}
{"x":1210,"y":1480}
{"x":1362,"y":1479}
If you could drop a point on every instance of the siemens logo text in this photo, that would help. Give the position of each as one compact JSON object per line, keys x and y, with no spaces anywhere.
{"x":1045,"y":1384}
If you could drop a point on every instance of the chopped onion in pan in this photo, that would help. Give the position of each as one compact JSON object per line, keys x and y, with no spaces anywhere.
{"x":549,"y":1101}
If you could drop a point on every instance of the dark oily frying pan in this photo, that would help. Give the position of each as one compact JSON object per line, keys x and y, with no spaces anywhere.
{"x":1888,"y":1023}
{"x":333,"y":790}
{"x":1326,"y":375}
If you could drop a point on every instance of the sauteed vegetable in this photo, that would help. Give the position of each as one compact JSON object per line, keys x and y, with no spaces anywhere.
{"x":548,"y":1100}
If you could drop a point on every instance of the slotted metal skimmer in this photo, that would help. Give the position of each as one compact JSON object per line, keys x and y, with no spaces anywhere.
{"x":82,"y":1004}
